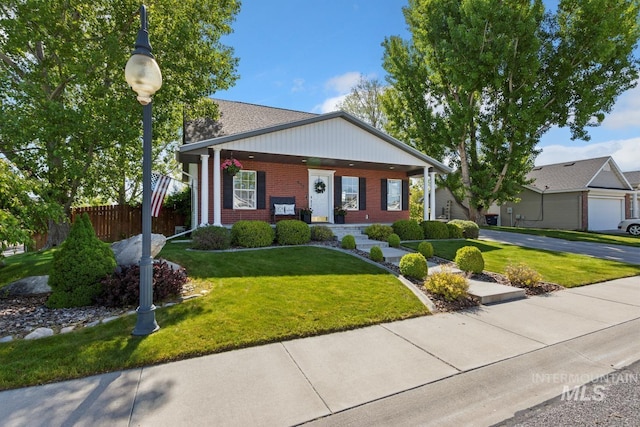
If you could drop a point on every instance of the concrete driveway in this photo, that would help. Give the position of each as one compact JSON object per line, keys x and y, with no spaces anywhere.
{"x":620,"y":253}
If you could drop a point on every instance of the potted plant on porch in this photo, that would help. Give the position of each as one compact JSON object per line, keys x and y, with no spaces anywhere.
{"x":305,"y":215}
{"x":338,"y":214}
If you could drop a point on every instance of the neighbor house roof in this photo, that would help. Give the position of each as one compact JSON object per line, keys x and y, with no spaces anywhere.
{"x":240,"y":117}
{"x":577,"y":175}
{"x":633,"y":178}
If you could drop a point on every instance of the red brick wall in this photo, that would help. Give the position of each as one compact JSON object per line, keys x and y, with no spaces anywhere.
{"x":287,"y":180}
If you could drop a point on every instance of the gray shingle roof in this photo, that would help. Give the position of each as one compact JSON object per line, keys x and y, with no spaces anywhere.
{"x":240,"y":117}
{"x":566,"y":176}
{"x":633,"y":177}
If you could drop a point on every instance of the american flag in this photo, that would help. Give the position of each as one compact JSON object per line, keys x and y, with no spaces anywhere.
{"x":159,"y":186}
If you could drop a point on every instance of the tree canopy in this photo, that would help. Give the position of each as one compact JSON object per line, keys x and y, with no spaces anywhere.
{"x":67,"y":117}
{"x":481,"y":81}
{"x":363,"y":102}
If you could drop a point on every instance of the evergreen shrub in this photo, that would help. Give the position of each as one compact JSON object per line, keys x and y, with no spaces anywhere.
{"x":470,"y":229}
{"x":434,"y":230}
{"x":252,"y":234}
{"x":394,"y":240}
{"x":376,"y":254}
{"x":378,"y":232}
{"x":447,"y":284}
{"x":426,"y":249}
{"x":469,"y":259}
{"x":211,"y":237}
{"x":78,"y":266}
{"x":321,"y":233}
{"x":408,"y":229}
{"x":455,"y":232}
{"x":348,"y":242}
{"x":413,"y":265}
{"x":522,"y":275}
{"x":292,"y":232}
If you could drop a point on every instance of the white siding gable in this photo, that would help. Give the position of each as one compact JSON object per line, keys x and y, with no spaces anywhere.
{"x":335,"y":138}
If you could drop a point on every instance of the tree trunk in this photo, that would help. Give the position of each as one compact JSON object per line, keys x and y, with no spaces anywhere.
{"x":58,"y":232}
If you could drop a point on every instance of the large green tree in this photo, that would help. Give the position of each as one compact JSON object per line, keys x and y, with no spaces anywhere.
{"x":364,"y":102}
{"x":67,"y":117}
{"x":480,"y":81}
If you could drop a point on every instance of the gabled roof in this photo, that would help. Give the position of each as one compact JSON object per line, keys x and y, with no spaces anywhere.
{"x":240,"y":117}
{"x":633,"y":177}
{"x":254,"y":121}
{"x":579,"y":175}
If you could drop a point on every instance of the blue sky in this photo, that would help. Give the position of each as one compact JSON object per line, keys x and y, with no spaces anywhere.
{"x":306,"y":55}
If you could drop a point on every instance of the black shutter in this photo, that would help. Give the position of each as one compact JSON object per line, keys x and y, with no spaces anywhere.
{"x":383,"y":194}
{"x":261,"y":187}
{"x":227,"y":191}
{"x":337,"y":191}
{"x":362,"y":194}
{"x":405,"y":195}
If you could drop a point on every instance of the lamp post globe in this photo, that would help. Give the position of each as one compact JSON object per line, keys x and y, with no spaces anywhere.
{"x":143,"y":75}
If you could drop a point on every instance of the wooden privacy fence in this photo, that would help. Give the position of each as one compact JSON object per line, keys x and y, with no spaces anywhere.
{"x":116,"y":222}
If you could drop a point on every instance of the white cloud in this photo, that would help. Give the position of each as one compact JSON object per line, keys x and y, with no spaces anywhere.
{"x":329,"y":104}
{"x":298,"y":85}
{"x":626,"y":111}
{"x":343,"y":83}
{"x":625,"y":152}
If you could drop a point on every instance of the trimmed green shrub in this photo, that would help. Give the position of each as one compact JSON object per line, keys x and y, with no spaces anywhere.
{"x":470,"y":229}
{"x":394,"y":240}
{"x":455,"y":232}
{"x":78,"y":266}
{"x":292,"y":232}
{"x":451,"y":286}
{"x":434,"y":230}
{"x":252,"y":234}
{"x":408,"y":229}
{"x":522,"y":275}
{"x":348,"y":242}
{"x":469,"y":259}
{"x":426,"y":249}
{"x":321,"y":233}
{"x":376,"y":254}
{"x":211,"y":237}
{"x":379,"y":232}
{"x":413,"y":265}
{"x":122,"y":288}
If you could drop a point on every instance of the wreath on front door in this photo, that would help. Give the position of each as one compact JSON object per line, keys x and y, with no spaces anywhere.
{"x":320,"y":186}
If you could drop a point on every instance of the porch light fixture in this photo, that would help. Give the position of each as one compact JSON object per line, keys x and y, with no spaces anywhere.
{"x":143,"y":75}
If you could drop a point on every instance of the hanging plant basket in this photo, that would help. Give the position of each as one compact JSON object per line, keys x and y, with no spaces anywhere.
{"x":320,"y":186}
{"x":231,"y":166}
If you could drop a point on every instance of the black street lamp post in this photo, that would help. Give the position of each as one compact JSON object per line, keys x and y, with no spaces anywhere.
{"x":143,"y":75}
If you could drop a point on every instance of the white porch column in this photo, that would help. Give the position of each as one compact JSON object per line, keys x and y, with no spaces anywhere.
{"x":634,"y":204}
{"x":204,"y":189}
{"x":217,"y":212}
{"x":432,"y":194}
{"x":425,"y":195}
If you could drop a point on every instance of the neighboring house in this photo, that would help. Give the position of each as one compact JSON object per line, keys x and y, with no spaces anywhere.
{"x":634,"y":179}
{"x":590,"y":194}
{"x":323,"y":161}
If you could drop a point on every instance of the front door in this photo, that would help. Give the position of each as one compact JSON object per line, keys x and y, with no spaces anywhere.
{"x":319,"y":197}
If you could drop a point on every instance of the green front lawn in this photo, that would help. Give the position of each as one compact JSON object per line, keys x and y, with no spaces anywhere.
{"x":563,"y":268}
{"x":576,"y":236}
{"x":255,"y":297}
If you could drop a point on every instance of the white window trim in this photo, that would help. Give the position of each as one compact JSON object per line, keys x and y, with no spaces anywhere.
{"x":357,"y":193}
{"x":255,"y":192}
{"x":389,"y":181}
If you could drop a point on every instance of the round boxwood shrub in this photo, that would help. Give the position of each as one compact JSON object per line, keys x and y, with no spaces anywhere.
{"x":122,"y":288}
{"x":426,"y":249}
{"x":413,"y":265}
{"x":451,"y":286}
{"x":394,"y":240}
{"x":78,"y":266}
{"x":455,"y":232}
{"x":348,"y":242}
{"x":211,"y":237}
{"x":252,"y":234}
{"x":376,"y":254}
{"x":408,"y":229}
{"x":470,"y":229}
{"x":321,"y":233}
{"x":292,"y":232}
{"x":434,"y":230}
{"x":469,"y":259}
{"x":379,"y":232}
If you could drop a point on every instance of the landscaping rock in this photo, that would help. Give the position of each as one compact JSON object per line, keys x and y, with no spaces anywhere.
{"x":29,"y":286}
{"x":6,"y":339}
{"x":129,"y":251}
{"x":67,"y":329}
{"x":39,"y":333}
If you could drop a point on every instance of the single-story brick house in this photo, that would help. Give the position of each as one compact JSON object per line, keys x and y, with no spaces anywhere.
{"x":308,"y":160}
{"x":590,"y":194}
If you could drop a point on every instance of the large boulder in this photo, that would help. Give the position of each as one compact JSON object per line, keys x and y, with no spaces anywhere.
{"x":29,"y":286}
{"x":129,"y":251}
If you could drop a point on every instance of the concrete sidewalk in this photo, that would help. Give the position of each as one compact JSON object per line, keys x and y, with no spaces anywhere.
{"x":476,"y":367}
